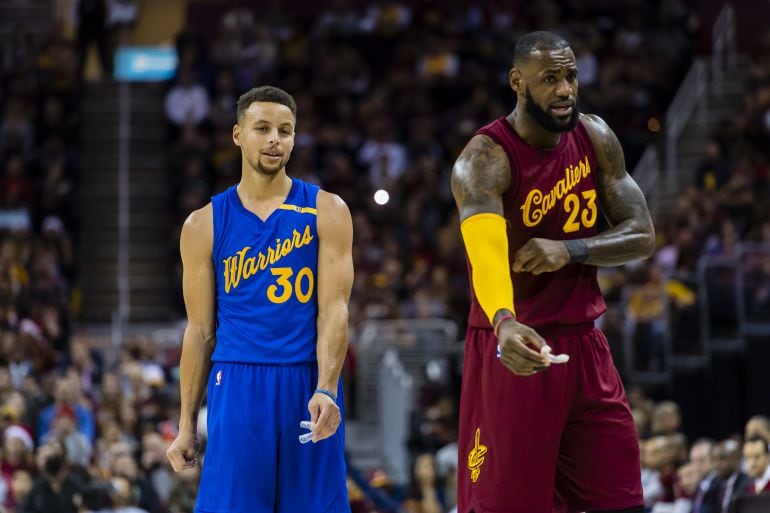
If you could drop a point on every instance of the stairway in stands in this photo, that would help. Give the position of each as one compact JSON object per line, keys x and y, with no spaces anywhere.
{"x":36,"y":16}
{"x":696,"y":132}
{"x":148,"y":237}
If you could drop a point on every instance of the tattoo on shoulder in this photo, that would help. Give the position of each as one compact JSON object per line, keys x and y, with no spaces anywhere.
{"x":610,"y":149}
{"x":480,"y":175}
{"x":613,"y":153}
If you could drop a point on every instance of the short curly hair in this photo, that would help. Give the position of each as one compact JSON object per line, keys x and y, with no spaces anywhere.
{"x":265,"y":93}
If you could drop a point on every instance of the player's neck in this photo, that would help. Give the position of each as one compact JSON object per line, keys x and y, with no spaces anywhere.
{"x":261,"y":187}
{"x":531,"y":132}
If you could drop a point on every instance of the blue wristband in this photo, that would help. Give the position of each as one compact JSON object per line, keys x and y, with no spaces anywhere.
{"x":326,"y":393}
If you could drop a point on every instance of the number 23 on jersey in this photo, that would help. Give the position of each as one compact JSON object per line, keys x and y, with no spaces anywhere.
{"x":580,"y":212}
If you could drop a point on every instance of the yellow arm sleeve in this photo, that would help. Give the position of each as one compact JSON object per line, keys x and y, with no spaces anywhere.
{"x":486,"y":242}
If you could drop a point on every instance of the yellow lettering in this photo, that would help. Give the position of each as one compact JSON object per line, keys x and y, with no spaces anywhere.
{"x":249,"y":268}
{"x":239,"y":267}
{"x":228,"y":279}
{"x":537,"y":204}
{"x":532,"y":216}
{"x":560,"y":189}
{"x":307,"y":236}
{"x":547,"y":202}
{"x":286,"y":247}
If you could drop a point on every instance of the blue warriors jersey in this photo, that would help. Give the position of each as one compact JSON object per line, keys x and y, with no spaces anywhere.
{"x":266,"y":279}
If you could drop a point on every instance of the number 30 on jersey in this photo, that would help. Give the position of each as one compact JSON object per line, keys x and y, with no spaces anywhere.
{"x":287,"y":284}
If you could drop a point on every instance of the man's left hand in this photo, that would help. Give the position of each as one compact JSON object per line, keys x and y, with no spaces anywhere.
{"x":541,"y":256}
{"x":325,"y":416}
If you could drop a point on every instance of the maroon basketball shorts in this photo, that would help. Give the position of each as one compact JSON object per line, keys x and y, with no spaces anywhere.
{"x":560,"y":440}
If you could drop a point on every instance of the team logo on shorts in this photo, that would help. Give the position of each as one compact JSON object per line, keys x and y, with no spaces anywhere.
{"x":219,"y":378}
{"x":476,"y":457}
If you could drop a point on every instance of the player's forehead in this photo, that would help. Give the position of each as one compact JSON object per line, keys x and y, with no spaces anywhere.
{"x":269,"y":112}
{"x":544,"y":61}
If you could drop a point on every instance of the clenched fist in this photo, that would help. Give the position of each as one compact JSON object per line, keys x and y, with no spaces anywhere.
{"x":541,"y":256}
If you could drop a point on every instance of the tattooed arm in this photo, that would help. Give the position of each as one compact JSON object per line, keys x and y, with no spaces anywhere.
{"x":631,"y":235}
{"x":480,"y":177}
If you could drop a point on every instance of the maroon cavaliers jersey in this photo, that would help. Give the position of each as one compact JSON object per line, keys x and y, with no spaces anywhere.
{"x":552,"y":196}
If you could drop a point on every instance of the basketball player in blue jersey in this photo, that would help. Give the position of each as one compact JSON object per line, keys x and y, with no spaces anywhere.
{"x":268,"y":270}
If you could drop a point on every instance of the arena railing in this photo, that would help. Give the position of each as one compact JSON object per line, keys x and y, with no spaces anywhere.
{"x":731,"y":297}
{"x":121,"y":315}
{"x":396,"y":358}
{"x":647,"y":176}
{"x":692,"y":93}
{"x":724,"y":52}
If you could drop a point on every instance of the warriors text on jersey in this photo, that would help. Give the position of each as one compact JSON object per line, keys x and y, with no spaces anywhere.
{"x":266,"y":279}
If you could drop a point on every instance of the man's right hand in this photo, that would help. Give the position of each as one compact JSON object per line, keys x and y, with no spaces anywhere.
{"x":183,"y":452}
{"x":514,"y":340}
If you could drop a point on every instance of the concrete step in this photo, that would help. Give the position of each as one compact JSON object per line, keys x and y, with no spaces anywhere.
{"x":138,"y":284}
{"x":108,"y":160}
{"x":139,"y":190}
{"x":109,"y":218}
{"x":108,"y":253}
{"x":95,"y":133}
{"x":137,"y":236}
{"x":111,"y":147}
{"x":102,"y":312}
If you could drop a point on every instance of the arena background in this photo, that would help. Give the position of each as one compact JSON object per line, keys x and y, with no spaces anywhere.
{"x":116,"y":123}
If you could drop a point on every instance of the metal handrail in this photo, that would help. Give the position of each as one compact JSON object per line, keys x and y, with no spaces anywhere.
{"x":723,"y":46}
{"x":692,"y":93}
{"x":647,"y":176}
{"x":737,"y":264}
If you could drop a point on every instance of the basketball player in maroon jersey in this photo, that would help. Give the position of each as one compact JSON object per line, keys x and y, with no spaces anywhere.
{"x":536,"y":436}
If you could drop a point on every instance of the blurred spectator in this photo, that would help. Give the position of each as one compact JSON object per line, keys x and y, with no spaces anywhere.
{"x":666,"y":418}
{"x":756,"y":454}
{"x":713,"y":171}
{"x":706,"y":499}
{"x":56,"y":488}
{"x":17,"y":462}
{"x":155,"y":465}
{"x":187,"y":103}
{"x":92,"y":28}
{"x":727,"y":464}
{"x":122,"y":496}
{"x":125,"y":466}
{"x":184,"y":490}
{"x":64,"y":429}
{"x":67,"y":403}
{"x":425,"y":493}
{"x":757,"y":426}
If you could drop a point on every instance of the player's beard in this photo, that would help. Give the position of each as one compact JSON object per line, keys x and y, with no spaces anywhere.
{"x":268,"y":170}
{"x":545,"y":119}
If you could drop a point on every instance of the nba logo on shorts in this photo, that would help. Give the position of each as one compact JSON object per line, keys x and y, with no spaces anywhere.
{"x":219,"y":378}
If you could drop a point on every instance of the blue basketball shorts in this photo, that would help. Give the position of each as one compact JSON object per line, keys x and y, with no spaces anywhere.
{"x":254,"y":462}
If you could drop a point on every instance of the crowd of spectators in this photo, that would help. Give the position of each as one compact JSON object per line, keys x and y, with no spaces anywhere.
{"x":388,"y":94}
{"x":703,"y":475}
{"x":82,"y":428}
{"x":725,"y":217}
